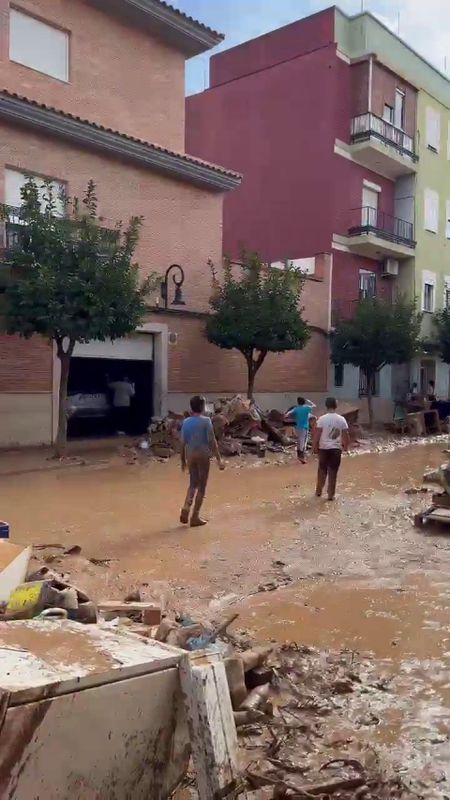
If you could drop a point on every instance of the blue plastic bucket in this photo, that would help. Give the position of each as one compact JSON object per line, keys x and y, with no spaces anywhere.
{"x":4,"y":530}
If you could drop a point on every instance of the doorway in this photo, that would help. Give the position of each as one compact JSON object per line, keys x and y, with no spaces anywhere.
{"x":427,"y":374}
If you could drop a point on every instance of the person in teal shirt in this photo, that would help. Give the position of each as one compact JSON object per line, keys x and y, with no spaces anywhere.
{"x":300,"y":415}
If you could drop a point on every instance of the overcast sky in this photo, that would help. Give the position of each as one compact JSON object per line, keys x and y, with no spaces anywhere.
{"x":424,"y":24}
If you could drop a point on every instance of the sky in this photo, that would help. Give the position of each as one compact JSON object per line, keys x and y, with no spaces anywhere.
{"x":424,"y":24}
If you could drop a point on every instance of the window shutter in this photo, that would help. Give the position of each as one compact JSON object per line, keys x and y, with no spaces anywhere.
{"x":433,"y":120}
{"x":431,"y":210}
{"x":39,"y":46}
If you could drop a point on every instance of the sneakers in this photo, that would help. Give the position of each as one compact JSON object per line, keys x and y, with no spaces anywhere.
{"x":184,"y":517}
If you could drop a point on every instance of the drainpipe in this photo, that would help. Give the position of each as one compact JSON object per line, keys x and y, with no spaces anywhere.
{"x":370,"y":83}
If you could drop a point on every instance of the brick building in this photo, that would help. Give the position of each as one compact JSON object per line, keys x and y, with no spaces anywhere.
{"x":96,"y":90}
{"x":337,"y":126}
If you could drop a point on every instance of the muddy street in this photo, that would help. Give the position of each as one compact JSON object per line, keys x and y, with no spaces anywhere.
{"x":355,"y":574}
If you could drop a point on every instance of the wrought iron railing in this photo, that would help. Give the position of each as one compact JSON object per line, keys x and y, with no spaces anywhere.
{"x":367,"y":125}
{"x":371,"y":220}
{"x":14,"y":227}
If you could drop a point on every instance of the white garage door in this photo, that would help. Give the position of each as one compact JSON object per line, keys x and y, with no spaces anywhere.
{"x":133,"y":348}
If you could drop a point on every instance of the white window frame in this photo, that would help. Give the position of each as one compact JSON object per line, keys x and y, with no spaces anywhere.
{"x":39,"y":45}
{"x":431,"y":210}
{"x":15,"y":178}
{"x":433,"y":129}
{"x":367,"y":284}
{"x":429,"y":279}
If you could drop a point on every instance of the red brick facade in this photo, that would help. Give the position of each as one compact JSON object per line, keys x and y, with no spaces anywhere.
{"x":120,"y":76}
{"x":25,"y":364}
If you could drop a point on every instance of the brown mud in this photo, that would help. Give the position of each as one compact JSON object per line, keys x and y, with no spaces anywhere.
{"x":351,"y":575}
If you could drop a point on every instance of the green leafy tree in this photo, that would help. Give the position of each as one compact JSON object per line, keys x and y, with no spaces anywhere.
{"x":378,"y":334}
{"x":256,"y":310}
{"x":73,"y":280}
{"x":442,"y":326}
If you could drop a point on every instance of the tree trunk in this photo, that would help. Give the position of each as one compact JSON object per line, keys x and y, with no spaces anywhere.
{"x":253,"y":366}
{"x":369,"y":399}
{"x":61,"y":436}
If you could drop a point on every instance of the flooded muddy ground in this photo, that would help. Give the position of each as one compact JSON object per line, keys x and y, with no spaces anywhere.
{"x":352,"y":575}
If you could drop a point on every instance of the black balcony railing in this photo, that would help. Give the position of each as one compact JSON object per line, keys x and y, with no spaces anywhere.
{"x":14,"y":227}
{"x":371,"y":220}
{"x":369,"y":125}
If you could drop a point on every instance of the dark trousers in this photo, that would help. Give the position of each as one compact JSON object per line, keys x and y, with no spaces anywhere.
{"x":329,"y":463}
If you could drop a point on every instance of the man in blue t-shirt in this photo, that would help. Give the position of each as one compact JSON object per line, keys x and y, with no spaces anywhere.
{"x":198,"y":444}
{"x":300,"y":415}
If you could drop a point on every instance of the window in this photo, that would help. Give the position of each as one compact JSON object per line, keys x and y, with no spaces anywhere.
{"x":433,"y":123}
{"x":388,"y":114}
{"x":15,"y":180}
{"x":431,"y":201}
{"x":364,"y":384}
{"x":37,"y":45}
{"x":338,"y":375}
{"x":428,"y":292}
{"x":367,"y":284}
{"x":369,"y":211}
{"x":428,"y":297}
{"x":399,"y":111}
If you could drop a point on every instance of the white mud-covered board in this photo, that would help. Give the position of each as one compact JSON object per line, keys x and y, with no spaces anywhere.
{"x":41,"y":659}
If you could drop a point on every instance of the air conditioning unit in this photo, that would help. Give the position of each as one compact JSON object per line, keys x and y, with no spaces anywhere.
{"x":390,"y":267}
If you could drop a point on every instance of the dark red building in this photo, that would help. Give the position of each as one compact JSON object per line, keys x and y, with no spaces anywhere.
{"x":325,"y":143}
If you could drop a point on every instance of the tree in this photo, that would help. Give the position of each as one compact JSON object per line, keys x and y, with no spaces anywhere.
{"x":378,"y":334}
{"x":442,"y":325}
{"x":256,"y":310}
{"x":73,"y":280}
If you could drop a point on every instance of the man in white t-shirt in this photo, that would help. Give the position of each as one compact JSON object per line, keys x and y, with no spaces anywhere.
{"x":330,"y":438}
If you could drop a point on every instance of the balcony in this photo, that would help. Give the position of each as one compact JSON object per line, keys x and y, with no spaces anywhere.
{"x":12,"y":232}
{"x":382,"y":147}
{"x":378,"y":235}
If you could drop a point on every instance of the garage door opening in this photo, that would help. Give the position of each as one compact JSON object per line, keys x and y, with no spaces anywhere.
{"x":94,"y":367}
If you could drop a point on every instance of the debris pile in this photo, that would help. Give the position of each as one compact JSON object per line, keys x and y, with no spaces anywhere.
{"x":288,"y":708}
{"x":240,"y":427}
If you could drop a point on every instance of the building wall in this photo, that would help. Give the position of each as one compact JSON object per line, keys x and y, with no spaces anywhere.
{"x":433,"y":249}
{"x":363,"y":34}
{"x":346,"y":270}
{"x":296,"y":193}
{"x":384,"y":84}
{"x":120,"y":76}
{"x":25,"y":390}
{"x":276,"y":47}
{"x":182,"y":224}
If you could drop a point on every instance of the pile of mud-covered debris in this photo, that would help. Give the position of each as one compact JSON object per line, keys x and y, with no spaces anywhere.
{"x":292,"y":711}
{"x":298,"y":712}
{"x":240,"y":427}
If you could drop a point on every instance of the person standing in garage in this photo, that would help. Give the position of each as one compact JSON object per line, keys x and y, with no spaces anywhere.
{"x":122,"y":392}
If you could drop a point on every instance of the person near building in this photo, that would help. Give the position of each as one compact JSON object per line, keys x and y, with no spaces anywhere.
{"x":122,"y":393}
{"x":198,"y":444}
{"x":300,"y":415}
{"x":431,"y":392}
{"x":330,"y":438}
